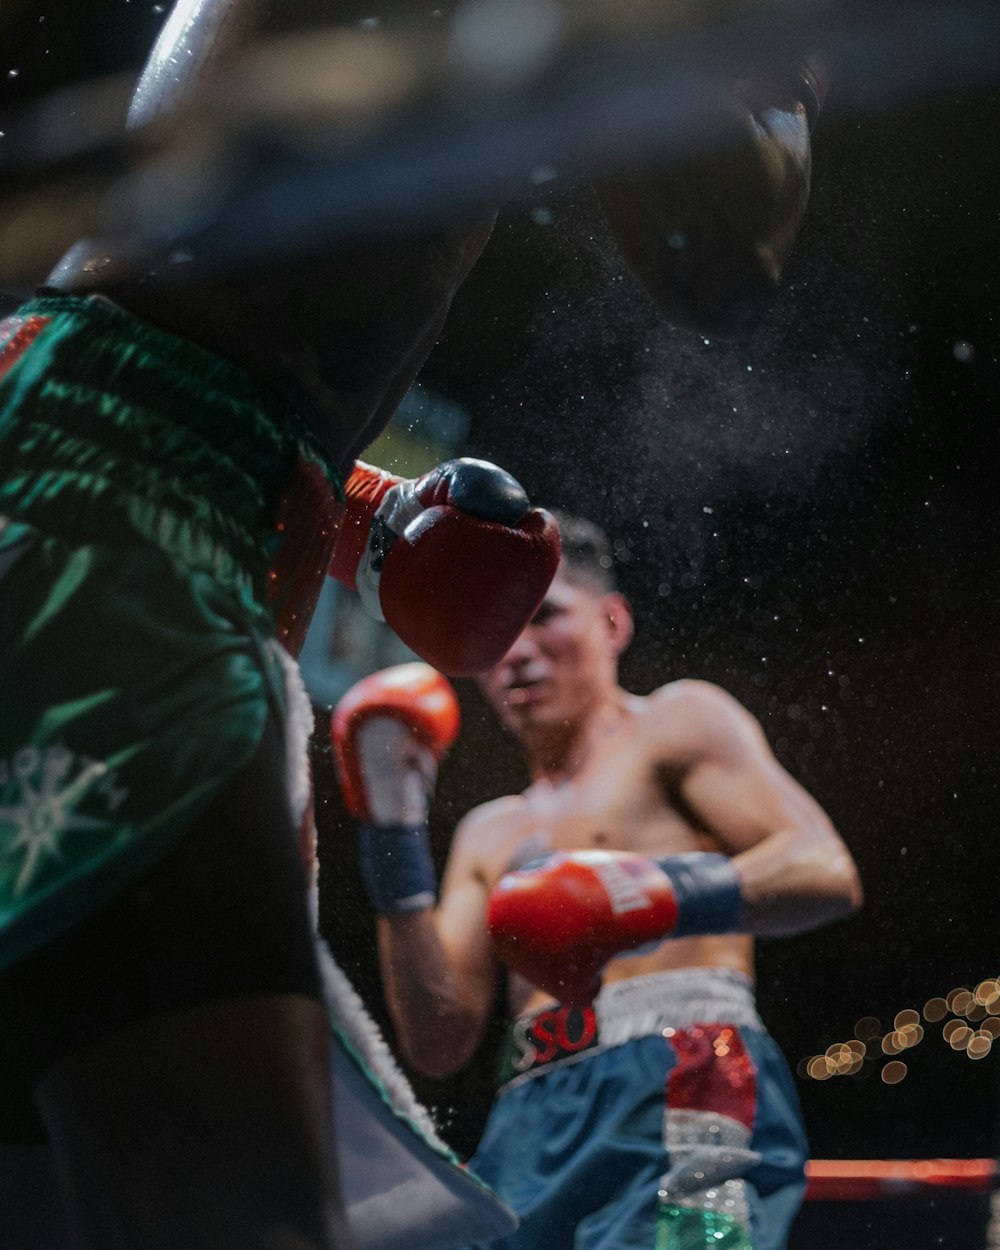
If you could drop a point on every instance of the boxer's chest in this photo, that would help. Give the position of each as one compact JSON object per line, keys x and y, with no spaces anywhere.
{"x":619,"y":802}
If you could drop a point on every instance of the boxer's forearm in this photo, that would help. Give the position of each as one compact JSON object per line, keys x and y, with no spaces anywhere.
{"x":437,"y":1023}
{"x":793,"y":881}
{"x":558,"y":922}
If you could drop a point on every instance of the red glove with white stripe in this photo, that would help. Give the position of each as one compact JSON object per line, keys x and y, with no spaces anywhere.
{"x":558,"y":922}
{"x":456,"y":561}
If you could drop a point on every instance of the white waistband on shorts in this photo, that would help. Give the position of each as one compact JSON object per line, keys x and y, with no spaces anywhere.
{"x":674,"y":999}
{"x":644,"y":1006}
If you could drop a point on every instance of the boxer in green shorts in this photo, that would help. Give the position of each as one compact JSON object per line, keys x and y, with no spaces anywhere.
{"x":163,"y":519}
{"x":151,"y":894}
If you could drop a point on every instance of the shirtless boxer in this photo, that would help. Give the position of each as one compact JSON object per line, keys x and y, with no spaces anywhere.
{"x":660,"y":1114}
{"x":170,"y":456}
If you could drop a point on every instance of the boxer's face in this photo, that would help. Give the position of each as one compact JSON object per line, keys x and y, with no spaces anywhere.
{"x":564,"y":659}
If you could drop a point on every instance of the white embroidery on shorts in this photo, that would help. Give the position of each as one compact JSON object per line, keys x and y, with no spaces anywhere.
{"x":50,"y":782}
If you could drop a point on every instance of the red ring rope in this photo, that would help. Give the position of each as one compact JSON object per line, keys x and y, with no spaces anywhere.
{"x":853,"y":1180}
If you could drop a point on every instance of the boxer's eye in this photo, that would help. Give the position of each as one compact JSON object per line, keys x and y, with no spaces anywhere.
{"x":545,"y":614}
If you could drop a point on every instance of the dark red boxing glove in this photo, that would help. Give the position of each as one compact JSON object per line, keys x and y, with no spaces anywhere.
{"x":559,"y":922}
{"x":456,"y":562}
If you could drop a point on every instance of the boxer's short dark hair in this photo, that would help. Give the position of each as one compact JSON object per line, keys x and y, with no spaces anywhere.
{"x":588,"y":558}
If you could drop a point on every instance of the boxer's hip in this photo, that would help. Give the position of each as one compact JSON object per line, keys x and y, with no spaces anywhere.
{"x":131,"y":694}
{"x":141,"y":482}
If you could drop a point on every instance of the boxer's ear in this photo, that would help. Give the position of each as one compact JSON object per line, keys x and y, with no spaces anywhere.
{"x":620,"y":623}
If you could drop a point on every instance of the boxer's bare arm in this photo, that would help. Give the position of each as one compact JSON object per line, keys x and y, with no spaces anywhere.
{"x":438,"y":966}
{"x":795,"y":871}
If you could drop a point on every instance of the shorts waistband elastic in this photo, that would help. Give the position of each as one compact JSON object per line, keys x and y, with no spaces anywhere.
{"x":625,"y":1010}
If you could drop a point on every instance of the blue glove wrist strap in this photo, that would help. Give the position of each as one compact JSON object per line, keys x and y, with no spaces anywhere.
{"x":396,"y":867}
{"x":707,"y":891}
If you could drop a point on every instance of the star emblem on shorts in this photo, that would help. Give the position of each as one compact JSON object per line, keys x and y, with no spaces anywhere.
{"x":44,"y":816}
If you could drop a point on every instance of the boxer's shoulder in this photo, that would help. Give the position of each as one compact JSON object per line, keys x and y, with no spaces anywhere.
{"x":493,"y":822}
{"x":692,"y":695}
{"x":691,"y":718}
{"x":487,"y":838}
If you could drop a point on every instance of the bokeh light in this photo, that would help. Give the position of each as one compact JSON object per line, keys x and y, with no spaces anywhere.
{"x":979,"y":1005}
{"x":957,"y":1034}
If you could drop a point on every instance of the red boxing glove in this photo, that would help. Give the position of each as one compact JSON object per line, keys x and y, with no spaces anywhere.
{"x":412,"y":694}
{"x":558,"y":923}
{"x":456,"y":562}
{"x":388,"y":733}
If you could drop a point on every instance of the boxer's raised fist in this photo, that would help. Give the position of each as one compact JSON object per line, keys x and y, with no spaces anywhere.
{"x":558,"y":922}
{"x":456,"y":561}
{"x":388,"y":733}
{"x":380,"y":727}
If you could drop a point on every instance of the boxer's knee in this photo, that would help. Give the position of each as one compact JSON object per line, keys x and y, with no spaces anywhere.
{"x":172,"y":1052}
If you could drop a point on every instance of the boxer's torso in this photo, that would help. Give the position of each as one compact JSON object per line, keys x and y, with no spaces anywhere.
{"x":627,"y":796}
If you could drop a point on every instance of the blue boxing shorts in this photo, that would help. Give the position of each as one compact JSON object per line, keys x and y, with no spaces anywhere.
{"x":663,"y":1118}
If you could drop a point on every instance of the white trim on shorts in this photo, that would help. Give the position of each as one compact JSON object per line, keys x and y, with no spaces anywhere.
{"x":659,"y":1002}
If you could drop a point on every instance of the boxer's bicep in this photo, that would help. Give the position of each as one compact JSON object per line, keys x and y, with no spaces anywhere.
{"x":742,"y":795}
{"x":716,"y":756}
{"x":794,"y":868}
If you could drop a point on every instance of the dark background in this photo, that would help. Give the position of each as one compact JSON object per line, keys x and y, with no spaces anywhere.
{"x":808,"y":517}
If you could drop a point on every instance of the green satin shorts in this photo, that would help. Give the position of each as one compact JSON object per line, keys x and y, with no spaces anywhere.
{"x":140,"y":481}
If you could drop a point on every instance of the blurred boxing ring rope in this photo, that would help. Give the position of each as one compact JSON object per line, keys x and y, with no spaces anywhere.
{"x":384,"y":125}
{"x":877,"y":1180}
{"x":866,"y":1180}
